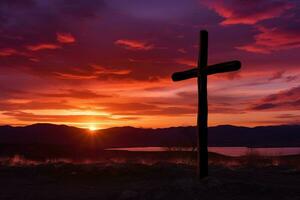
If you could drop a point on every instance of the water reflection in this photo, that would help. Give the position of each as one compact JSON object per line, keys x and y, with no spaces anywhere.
{"x":226,"y":156}
{"x":228,"y":151}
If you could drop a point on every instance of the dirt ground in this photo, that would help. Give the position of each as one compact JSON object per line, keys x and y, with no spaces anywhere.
{"x":126,"y":181}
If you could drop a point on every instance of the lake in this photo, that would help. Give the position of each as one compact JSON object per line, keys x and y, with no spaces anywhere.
{"x":229,"y":151}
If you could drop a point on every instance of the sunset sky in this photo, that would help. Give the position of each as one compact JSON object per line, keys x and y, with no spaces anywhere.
{"x":105,"y":63}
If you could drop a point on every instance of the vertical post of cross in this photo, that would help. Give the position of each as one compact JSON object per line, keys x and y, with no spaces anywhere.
{"x":201,"y":72}
{"x":202,"y":154}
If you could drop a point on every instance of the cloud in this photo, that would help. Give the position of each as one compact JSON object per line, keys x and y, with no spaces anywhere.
{"x":72,"y":76}
{"x":10,"y":93}
{"x":277,"y":75}
{"x":182,"y":50}
{"x":291,"y":78}
{"x":294,"y":117}
{"x":78,"y":94}
{"x":44,"y":46}
{"x":34,"y":118}
{"x":127,"y":108}
{"x":146,"y":109}
{"x":280,"y":75}
{"x":134,"y":44}
{"x":188,"y":95}
{"x":264,"y":106}
{"x":217,"y":104}
{"x":284,"y":100}
{"x":7,"y":52}
{"x":65,"y":38}
{"x":37,"y":21}
{"x":248,"y":12}
{"x":270,"y":39}
{"x":163,"y":111}
{"x":100,"y":70}
{"x":35,"y":105}
{"x":93,"y":71}
{"x":177,"y":110}
{"x":187,"y":62}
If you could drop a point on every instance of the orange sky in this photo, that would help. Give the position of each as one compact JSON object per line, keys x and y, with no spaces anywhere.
{"x":103,"y":63}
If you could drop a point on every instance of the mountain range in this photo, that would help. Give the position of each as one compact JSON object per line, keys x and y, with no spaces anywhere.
{"x":224,"y":135}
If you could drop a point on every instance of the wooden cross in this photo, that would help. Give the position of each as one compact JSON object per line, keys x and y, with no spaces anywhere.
{"x":201,"y":72}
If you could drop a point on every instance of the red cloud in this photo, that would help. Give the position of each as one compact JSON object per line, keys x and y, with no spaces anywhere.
{"x":248,"y":12}
{"x":77,"y":94}
{"x":7,"y":52}
{"x":94,"y":71}
{"x":187,"y":62}
{"x":39,"y":47}
{"x":99,"y":70}
{"x":35,"y":105}
{"x":65,"y":38}
{"x":72,"y":76}
{"x":277,"y":75}
{"x":284,"y":100}
{"x":134,"y":44}
{"x":273,"y":39}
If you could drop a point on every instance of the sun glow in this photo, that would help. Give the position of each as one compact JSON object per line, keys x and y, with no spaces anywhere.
{"x":92,"y":127}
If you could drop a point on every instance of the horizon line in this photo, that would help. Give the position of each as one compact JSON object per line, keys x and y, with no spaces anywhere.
{"x":86,"y":128}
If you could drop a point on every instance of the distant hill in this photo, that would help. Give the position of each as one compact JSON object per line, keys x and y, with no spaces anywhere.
{"x":225,"y":135}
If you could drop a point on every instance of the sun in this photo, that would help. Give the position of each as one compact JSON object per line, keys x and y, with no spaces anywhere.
{"x":92,"y":127}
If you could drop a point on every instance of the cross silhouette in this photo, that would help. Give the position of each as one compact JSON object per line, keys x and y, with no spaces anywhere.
{"x":201,"y":72}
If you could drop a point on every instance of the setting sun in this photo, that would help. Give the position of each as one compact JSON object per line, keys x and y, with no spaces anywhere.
{"x":92,"y":127}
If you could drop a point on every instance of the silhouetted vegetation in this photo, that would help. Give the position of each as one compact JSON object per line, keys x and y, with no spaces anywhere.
{"x":149,"y":175}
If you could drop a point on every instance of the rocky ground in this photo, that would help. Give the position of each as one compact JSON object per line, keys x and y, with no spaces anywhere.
{"x":60,"y":180}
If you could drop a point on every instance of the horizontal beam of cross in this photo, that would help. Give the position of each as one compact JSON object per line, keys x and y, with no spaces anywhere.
{"x":212,"y":69}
